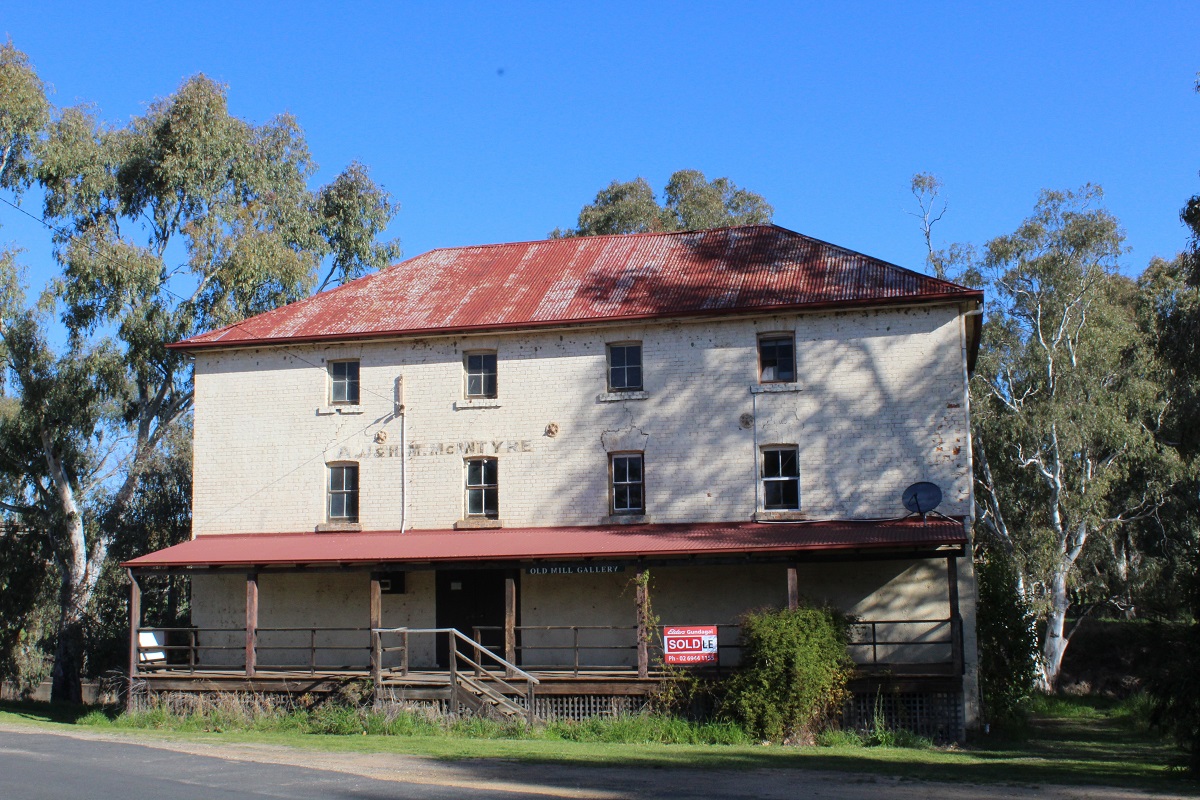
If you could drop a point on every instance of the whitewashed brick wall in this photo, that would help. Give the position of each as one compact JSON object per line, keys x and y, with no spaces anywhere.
{"x":879,"y":406}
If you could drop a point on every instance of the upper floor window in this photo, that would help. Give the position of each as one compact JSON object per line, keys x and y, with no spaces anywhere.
{"x":343,"y":493}
{"x":628,"y":484}
{"x":482,"y":488}
{"x":625,"y":367}
{"x":781,"y":479}
{"x":481,"y":374}
{"x":343,"y":382}
{"x":777,"y":358}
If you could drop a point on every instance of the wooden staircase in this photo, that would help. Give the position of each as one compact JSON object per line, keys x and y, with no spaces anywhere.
{"x":480,"y":680}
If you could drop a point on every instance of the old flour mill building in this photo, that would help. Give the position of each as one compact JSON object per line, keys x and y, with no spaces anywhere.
{"x":537,"y":443}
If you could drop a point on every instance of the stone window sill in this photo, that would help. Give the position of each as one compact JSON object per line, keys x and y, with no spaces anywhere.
{"x":480,"y":402}
{"x":774,"y":388}
{"x":325,"y":411}
{"x":780,"y":516}
{"x":339,"y":527}
{"x":477,"y":524}
{"x":616,"y":397}
{"x":625,"y":519}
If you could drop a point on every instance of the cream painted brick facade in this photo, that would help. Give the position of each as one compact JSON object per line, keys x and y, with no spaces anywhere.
{"x":878,"y":404}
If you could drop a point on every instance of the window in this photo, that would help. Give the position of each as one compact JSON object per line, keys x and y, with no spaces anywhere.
{"x":781,"y":479}
{"x":481,"y":374}
{"x":343,"y":386}
{"x":628,"y":484}
{"x":482,"y":488}
{"x":625,"y":367}
{"x":777,"y":359}
{"x":343,"y":493}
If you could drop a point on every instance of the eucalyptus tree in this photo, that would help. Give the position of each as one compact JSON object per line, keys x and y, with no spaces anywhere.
{"x":690,"y":202}
{"x":1067,"y":400}
{"x":24,"y":112}
{"x":185,"y":219}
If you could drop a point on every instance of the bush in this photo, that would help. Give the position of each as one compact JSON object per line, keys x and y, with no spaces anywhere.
{"x":1008,"y":649}
{"x":1175,"y":686}
{"x":794,"y":673}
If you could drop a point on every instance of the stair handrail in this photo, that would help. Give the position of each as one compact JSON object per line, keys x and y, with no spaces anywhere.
{"x":508,"y":665}
{"x":511,"y":669}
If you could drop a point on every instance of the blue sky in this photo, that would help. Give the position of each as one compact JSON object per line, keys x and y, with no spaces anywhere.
{"x":497,"y":122}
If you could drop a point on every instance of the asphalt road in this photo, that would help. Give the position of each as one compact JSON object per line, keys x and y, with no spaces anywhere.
{"x":36,"y":766}
{"x":81,"y":765}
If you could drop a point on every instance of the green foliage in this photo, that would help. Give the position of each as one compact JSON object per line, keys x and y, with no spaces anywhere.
{"x":794,"y":672}
{"x":1008,"y":647}
{"x":333,"y":717}
{"x":1066,"y":399}
{"x":24,"y":111}
{"x":690,"y":202}
{"x":1176,"y":685}
{"x":183,"y":219}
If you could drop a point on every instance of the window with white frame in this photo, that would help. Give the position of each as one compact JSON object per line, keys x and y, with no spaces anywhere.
{"x":343,"y":382}
{"x":628,"y":483}
{"x":625,"y":367}
{"x":482,"y":488}
{"x":781,"y":479}
{"x":481,"y":374}
{"x":343,"y":493}
{"x":776,"y":358}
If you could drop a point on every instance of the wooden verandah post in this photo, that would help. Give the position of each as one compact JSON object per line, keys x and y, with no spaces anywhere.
{"x":793,"y":588}
{"x":956,"y":626}
{"x":376,"y":614}
{"x":642,"y":600}
{"x":251,"y":623}
{"x":135,"y":622}
{"x":510,"y":622}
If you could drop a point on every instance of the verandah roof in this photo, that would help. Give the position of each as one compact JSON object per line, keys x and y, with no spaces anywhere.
{"x":610,"y":542}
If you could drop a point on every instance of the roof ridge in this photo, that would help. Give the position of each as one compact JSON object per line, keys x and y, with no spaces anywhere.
{"x":639,"y":234}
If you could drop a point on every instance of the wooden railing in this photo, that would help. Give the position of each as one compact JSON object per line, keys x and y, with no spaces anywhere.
{"x":866,"y":643}
{"x":474,"y":669}
{"x":164,"y":650}
{"x":873,"y":643}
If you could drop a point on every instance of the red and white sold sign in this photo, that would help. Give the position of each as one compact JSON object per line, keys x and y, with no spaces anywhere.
{"x":690,"y":644}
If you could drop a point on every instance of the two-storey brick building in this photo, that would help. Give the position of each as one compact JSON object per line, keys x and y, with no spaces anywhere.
{"x":507,"y":437}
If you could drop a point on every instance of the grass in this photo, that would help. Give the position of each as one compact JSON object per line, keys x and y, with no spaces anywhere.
{"x":1068,"y":741}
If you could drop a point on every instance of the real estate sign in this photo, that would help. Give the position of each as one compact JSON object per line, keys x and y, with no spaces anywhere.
{"x":690,"y":644}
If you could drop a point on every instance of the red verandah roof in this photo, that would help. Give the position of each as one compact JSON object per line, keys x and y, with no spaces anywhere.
{"x":525,"y":544}
{"x":590,"y":278}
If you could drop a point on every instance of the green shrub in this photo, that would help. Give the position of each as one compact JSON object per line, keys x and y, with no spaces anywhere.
{"x":1008,"y":649}
{"x":794,"y":672}
{"x":1175,"y":686}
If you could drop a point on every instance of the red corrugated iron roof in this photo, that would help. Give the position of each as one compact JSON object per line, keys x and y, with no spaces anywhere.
{"x":527,"y":544}
{"x":567,"y":281}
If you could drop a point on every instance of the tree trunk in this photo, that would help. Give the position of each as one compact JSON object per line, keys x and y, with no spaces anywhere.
{"x":1055,"y":644}
{"x":80,"y":570}
{"x":66,"y":685}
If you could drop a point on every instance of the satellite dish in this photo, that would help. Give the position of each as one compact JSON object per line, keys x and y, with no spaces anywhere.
{"x":921,"y":498}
